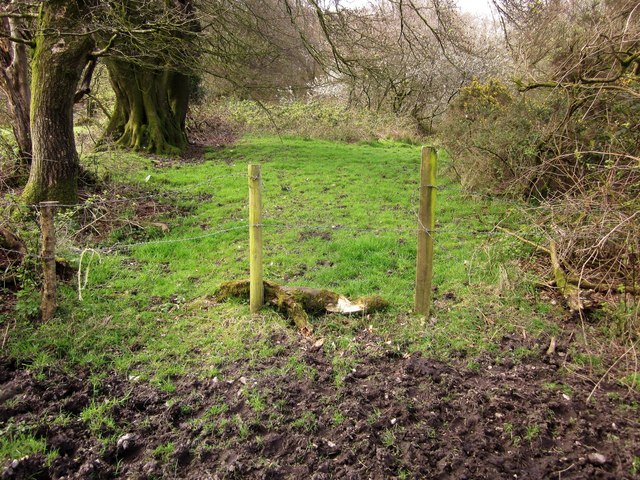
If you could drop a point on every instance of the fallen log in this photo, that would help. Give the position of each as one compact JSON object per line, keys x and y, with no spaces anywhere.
{"x":298,"y":303}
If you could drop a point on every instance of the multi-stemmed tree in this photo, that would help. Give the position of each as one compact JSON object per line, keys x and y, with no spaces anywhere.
{"x":400,"y":57}
{"x":14,"y":74}
{"x":145,"y":43}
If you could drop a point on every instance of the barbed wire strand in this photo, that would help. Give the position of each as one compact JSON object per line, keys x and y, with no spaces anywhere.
{"x":120,"y":247}
{"x":91,"y":202}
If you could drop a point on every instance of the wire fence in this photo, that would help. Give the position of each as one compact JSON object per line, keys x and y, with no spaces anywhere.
{"x":279,"y":184}
{"x":286,"y":192}
{"x":273,"y":222}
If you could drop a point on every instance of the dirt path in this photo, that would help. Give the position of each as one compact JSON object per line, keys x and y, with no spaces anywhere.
{"x":393,"y":417}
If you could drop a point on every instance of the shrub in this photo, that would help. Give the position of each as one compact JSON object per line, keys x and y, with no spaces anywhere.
{"x":573,"y":153}
{"x":312,"y":119}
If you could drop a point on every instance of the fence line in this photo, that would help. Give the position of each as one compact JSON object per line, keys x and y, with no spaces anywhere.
{"x":255,"y":223}
{"x":121,"y":247}
{"x":92,"y":202}
{"x":414,"y":230}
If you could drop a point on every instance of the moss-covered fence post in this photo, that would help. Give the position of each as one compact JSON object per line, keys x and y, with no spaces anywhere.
{"x":426,"y":230}
{"x":256,"y":292}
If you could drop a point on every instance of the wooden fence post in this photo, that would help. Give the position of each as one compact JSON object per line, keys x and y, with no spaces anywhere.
{"x":256,"y":292}
{"x":426,"y":230}
{"x":48,"y":301}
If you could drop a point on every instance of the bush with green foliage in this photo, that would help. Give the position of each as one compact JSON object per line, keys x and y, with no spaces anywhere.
{"x":573,"y":152}
{"x":494,"y":136}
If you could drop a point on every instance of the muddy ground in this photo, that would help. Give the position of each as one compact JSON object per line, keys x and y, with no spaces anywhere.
{"x":393,"y":416}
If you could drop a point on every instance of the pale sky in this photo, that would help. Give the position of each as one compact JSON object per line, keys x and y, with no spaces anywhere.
{"x":476,"y":7}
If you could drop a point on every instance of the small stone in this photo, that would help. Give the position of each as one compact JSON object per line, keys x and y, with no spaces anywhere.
{"x":330,"y":444}
{"x":566,"y":397}
{"x":597,"y":458}
{"x":126,"y":442}
{"x":393,"y":421}
{"x":243,"y":380}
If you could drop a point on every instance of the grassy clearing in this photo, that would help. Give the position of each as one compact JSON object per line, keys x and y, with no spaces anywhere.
{"x":338,"y":216}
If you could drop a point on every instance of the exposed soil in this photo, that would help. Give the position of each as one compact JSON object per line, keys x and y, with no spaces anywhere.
{"x":284,"y":417}
{"x":7,"y":301}
{"x":99,"y":219}
{"x":211,"y":131}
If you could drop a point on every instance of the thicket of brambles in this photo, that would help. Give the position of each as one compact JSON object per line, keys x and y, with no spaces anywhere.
{"x":562,"y":129}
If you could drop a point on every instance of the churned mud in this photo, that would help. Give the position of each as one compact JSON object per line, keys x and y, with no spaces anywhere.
{"x":293,"y":416}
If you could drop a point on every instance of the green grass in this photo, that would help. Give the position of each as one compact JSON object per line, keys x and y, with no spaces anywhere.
{"x":13,"y":446}
{"x":99,"y":420}
{"x":163,"y":452}
{"x":337,"y":216}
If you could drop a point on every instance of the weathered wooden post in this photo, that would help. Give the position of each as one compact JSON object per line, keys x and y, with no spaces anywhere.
{"x":48,"y":301}
{"x":256,"y":285}
{"x":426,"y":230}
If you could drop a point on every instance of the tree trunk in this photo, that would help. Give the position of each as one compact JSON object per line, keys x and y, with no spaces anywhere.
{"x":14,"y":82}
{"x":56,"y":69}
{"x":151,"y":108}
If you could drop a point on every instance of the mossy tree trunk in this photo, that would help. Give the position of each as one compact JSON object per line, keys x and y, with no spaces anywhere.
{"x":14,"y":82}
{"x":151,"y":108}
{"x":61,"y":51}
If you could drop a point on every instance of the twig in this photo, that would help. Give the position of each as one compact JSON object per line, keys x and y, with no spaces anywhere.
{"x":81,"y":285}
{"x":607,"y":372}
{"x":560,"y":472}
{"x":90,"y":224}
{"x":604,"y":239}
{"x":529,"y":242}
{"x":552,"y":346}
{"x":6,"y":333}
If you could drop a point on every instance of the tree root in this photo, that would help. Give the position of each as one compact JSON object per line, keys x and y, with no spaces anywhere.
{"x":11,"y":241}
{"x":298,"y":303}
